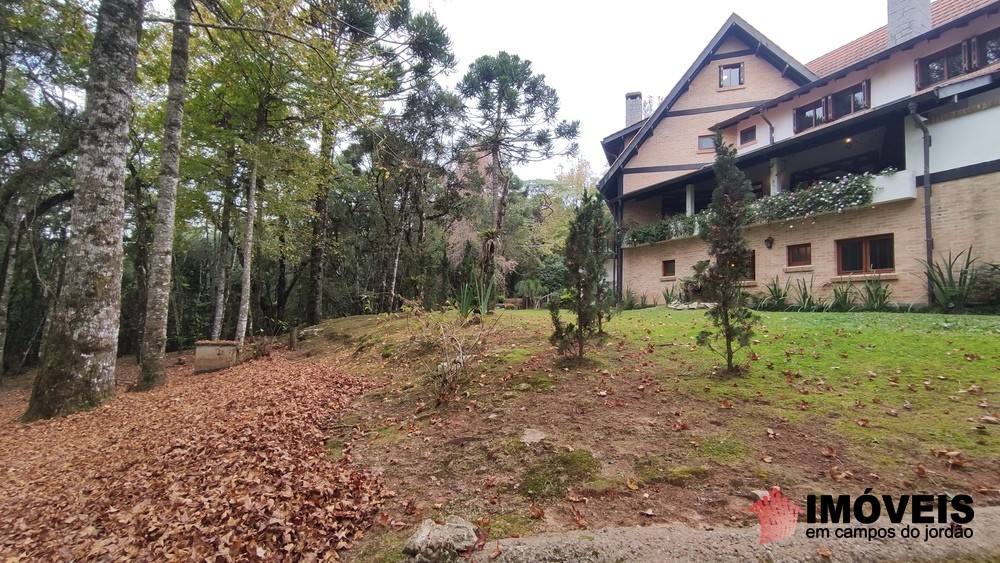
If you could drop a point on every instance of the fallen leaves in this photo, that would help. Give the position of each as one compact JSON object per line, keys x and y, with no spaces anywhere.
{"x":229,"y":465}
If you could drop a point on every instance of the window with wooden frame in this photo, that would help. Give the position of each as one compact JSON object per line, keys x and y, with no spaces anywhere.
{"x":810,"y":115}
{"x":706,"y":142}
{"x":748,"y":135}
{"x":850,"y":100}
{"x":865,"y":255}
{"x":986,"y":49}
{"x":668,"y":269}
{"x":752,"y":266}
{"x":731,"y":75}
{"x":800,"y":254}
{"x":942,"y":65}
{"x":833,"y":107}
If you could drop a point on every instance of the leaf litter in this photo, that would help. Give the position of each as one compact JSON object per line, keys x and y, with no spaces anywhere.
{"x":225,"y":466}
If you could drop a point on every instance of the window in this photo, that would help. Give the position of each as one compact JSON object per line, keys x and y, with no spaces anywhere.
{"x":865,"y":255}
{"x":800,"y":254}
{"x":987,"y":48}
{"x":810,"y":115}
{"x":836,"y":106}
{"x":748,"y":135}
{"x":752,"y":266}
{"x":669,"y":269}
{"x":941,"y":66}
{"x":850,"y":100}
{"x":731,"y":75}
{"x":706,"y":142}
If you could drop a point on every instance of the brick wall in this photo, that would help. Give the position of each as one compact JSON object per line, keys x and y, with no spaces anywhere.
{"x":966,"y":212}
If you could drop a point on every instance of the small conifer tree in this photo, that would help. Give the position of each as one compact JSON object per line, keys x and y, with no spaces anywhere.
{"x":721,"y":282}
{"x":588,"y":247}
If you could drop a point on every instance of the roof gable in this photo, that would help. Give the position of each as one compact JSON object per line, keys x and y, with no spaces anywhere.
{"x":735,"y":27}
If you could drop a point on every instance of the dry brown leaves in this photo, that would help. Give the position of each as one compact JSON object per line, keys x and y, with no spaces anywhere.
{"x":223,"y":466}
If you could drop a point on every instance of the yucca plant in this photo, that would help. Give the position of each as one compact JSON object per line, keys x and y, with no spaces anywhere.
{"x":876,"y":296}
{"x":805,"y":297}
{"x":670,"y":294}
{"x":775,"y":294}
{"x":465,"y":302}
{"x":952,"y":287}
{"x":843,"y":298}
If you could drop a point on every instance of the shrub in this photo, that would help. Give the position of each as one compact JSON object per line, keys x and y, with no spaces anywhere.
{"x":775,"y":295}
{"x":805,"y":297}
{"x":875,"y":296}
{"x":843,"y":298}
{"x":952,"y":287}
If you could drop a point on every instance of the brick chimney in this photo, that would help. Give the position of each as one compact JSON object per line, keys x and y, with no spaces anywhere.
{"x":633,"y":108}
{"x":908,"y":19}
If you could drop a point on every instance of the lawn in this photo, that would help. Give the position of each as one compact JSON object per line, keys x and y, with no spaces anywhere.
{"x":649,"y":429}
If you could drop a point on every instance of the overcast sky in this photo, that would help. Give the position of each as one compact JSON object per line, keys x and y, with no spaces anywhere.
{"x":592,"y":53}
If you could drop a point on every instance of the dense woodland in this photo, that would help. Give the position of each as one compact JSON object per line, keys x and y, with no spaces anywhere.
{"x":307,"y":154}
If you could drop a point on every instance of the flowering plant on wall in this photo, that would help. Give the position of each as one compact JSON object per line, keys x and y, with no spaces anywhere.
{"x":824,"y":196}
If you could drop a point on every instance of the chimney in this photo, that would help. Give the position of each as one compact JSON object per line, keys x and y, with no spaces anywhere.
{"x":633,"y":108}
{"x":908,"y":19}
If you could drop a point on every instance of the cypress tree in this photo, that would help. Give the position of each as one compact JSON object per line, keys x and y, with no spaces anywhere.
{"x":721,"y":282}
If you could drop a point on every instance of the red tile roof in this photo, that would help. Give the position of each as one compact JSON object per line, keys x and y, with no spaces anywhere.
{"x":942,"y":12}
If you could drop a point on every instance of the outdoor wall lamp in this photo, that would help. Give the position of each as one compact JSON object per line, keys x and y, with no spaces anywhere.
{"x":769,"y":242}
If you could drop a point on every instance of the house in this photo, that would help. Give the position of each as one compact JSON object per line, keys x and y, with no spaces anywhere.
{"x":914,"y":104}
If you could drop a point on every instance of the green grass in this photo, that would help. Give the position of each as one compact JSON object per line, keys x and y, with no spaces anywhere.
{"x":821,"y":365}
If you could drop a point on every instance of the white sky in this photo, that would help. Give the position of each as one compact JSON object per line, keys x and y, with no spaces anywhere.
{"x":592,"y":53}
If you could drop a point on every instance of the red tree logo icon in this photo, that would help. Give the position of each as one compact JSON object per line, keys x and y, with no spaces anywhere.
{"x":778,"y":516}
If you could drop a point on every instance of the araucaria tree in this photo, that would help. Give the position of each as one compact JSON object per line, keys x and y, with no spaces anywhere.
{"x":722,"y":281}
{"x":588,"y":247}
{"x":80,"y":346}
{"x":513,"y":120}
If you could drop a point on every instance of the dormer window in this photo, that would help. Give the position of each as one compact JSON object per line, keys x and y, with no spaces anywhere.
{"x":731,"y":76}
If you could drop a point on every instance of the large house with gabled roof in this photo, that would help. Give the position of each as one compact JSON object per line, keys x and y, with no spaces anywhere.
{"x":909,"y":112}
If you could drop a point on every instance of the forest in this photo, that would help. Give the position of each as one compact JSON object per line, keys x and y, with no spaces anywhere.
{"x":267,"y":164}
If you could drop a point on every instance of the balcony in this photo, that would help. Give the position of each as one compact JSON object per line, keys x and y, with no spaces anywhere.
{"x":894,"y":187}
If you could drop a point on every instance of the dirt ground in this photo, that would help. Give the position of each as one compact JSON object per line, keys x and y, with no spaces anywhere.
{"x":537,"y":445}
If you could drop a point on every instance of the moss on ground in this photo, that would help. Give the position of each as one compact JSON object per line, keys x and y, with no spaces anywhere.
{"x":551,"y":476}
{"x":654,"y":470}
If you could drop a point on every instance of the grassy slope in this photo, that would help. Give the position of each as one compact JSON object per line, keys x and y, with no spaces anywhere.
{"x":666,"y":427}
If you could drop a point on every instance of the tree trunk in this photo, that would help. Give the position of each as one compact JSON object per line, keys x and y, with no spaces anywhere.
{"x":244,"y":311}
{"x":225,"y":259}
{"x":154,"y":333}
{"x":317,"y":247}
{"x":77,"y":370}
{"x":7,"y":269}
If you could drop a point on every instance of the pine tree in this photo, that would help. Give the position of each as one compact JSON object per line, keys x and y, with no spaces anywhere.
{"x":587,"y":249}
{"x":722,"y":281}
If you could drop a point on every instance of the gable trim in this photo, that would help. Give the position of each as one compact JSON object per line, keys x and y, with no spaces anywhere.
{"x":731,"y":55}
{"x":666,"y":168}
{"x":714,"y":109}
